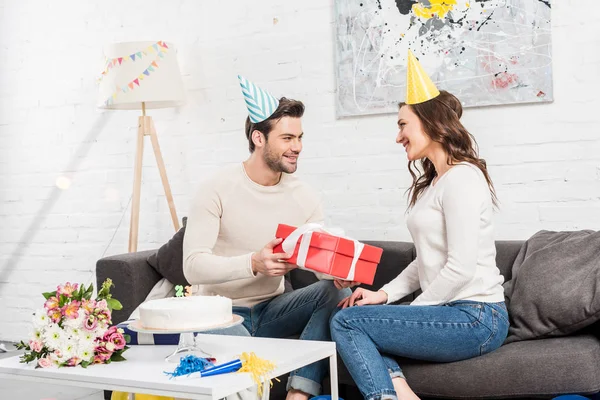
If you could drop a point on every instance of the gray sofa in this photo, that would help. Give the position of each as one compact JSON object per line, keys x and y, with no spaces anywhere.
{"x":542,"y":368}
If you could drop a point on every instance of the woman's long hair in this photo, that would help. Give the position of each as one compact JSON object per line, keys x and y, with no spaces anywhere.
{"x":440,"y":118}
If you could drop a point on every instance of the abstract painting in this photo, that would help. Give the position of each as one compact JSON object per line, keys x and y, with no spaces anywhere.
{"x":486,"y":52}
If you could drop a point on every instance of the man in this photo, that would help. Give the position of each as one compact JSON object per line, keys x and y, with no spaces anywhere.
{"x":229,"y":239}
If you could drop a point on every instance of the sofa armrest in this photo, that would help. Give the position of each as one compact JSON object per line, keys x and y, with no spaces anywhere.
{"x":133,"y":278}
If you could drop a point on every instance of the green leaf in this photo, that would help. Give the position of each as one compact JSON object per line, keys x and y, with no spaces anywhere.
{"x":117,"y":357}
{"x":27,"y":357}
{"x":114,"y":304}
{"x":88,"y":292}
{"x":85,"y":364}
{"x":127,"y":338}
{"x":78,"y":294}
{"x":22,"y":345}
{"x":47,"y":295}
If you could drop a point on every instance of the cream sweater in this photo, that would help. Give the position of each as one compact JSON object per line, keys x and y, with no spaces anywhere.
{"x":451,"y":227}
{"x":230,"y":218}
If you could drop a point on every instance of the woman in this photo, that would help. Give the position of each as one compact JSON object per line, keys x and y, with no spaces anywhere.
{"x":460,"y":313}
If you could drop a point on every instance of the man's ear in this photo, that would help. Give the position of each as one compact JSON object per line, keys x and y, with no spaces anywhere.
{"x":258,"y":138}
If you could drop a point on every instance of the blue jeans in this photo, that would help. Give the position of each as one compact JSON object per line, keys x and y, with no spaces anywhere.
{"x":304,"y":311}
{"x":368,"y":337}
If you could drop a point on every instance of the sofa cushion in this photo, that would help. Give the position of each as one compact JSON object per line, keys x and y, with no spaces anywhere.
{"x":555,"y":285}
{"x":168,"y":260}
{"x":544,"y":367}
{"x":506,"y":253}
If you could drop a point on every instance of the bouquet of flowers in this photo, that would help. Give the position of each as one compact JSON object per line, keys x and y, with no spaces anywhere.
{"x":72,"y":329}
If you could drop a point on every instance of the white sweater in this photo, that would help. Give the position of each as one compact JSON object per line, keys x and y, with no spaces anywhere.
{"x":230,"y":218}
{"x":451,"y":227}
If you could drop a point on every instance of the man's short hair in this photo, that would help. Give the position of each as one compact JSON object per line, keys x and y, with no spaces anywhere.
{"x":286,"y":108}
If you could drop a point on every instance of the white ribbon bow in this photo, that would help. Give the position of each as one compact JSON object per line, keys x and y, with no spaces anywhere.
{"x":304,"y":235}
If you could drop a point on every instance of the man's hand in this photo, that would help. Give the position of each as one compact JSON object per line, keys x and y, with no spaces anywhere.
{"x":268,"y":263}
{"x":341,"y":284}
{"x":362,"y":297}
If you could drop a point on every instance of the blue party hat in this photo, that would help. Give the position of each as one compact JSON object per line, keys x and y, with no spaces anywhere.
{"x":260,"y":103}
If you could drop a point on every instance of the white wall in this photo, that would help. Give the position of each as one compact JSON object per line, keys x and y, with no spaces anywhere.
{"x":544,"y":159}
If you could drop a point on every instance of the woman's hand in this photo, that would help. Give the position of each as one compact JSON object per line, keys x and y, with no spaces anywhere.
{"x":362,"y":297}
{"x":342,"y":284}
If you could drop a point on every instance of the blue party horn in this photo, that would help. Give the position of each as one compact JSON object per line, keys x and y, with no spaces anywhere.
{"x":230,"y":366}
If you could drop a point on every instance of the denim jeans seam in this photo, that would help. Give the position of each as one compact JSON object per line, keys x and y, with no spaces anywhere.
{"x":479,"y":317}
{"x":261,"y":325}
{"x":371,"y":320}
{"x":372,"y":382}
{"x":501,"y":316}
{"x":493,"y":333}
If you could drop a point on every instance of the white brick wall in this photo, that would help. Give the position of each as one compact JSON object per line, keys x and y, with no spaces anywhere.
{"x":544,"y":159}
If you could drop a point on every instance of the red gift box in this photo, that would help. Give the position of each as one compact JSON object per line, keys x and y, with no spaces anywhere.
{"x":333,"y":255}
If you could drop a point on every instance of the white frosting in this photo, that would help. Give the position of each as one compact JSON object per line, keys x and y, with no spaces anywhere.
{"x":194,"y":312}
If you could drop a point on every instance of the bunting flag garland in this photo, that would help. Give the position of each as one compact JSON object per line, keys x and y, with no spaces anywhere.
{"x":159,"y":48}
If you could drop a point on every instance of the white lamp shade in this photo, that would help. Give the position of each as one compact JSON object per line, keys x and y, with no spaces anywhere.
{"x":136,"y":72}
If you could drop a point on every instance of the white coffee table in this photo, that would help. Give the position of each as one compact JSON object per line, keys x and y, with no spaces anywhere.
{"x":143,"y":372}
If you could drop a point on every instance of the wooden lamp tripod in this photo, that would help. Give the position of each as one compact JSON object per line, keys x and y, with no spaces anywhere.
{"x":146,"y":128}
{"x":142,"y":74}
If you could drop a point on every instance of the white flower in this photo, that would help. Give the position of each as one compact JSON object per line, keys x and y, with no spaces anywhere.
{"x":75,"y":322}
{"x":110,"y":346}
{"x":37,"y":335}
{"x":85,"y":351}
{"x":69,"y":349}
{"x":87,"y":336}
{"x":54,"y":336}
{"x":41,"y":319}
{"x":57,"y":357}
{"x":74,"y":333}
{"x":86,"y":340}
{"x":100,"y":330}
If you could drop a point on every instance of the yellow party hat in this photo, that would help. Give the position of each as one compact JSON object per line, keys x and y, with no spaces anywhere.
{"x":419,"y":87}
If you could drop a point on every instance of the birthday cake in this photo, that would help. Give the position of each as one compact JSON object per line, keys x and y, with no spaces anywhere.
{"x":186,"y":313}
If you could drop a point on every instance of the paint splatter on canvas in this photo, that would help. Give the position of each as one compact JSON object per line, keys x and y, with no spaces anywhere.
{"x":486,"y":52}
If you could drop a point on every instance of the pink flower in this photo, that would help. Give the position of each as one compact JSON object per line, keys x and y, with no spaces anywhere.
{"x":119,"y":342}
{"x":51,"y":303}
{"x":44,"y":362}
{"x":104,"y":315}
{"x":90,"y":323}
{"x":114,"y":336}
{"x":112,"y":330}
{"x":98,"y":360}
{"x":102,"y":353}
{"x":102,"y":305}
{"x":67,"y":289}
{"x":36,"y":345}
{"x":71,"y":310}
{"x":88,"y":305}
{"x":55,"y":315}
{"x":73,"y":361}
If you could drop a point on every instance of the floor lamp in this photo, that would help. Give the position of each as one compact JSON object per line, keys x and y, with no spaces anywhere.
{"x":141,"y":76}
